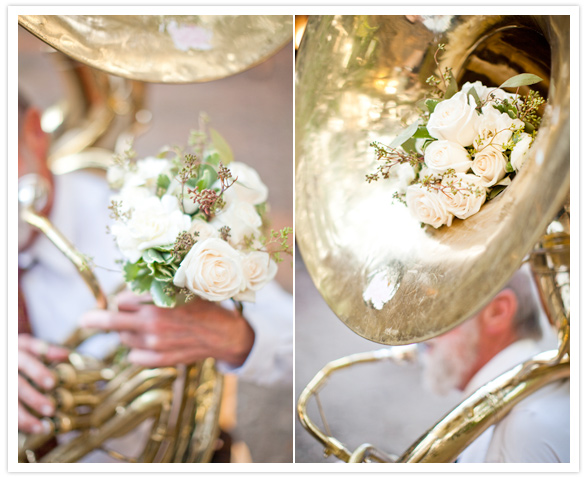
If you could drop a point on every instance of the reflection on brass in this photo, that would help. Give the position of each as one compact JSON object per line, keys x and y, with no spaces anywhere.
{"x":165,"y":48}
{"x":358,"y":79}
{"x":386,"y":277}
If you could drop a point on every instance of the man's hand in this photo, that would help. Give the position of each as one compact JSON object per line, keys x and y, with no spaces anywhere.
{"x":31,"y":368}
{"x":169,"y":336}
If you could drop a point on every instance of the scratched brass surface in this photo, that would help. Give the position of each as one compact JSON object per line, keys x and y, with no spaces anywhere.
{"x":165,"y":48}
{"x":357,"y":80}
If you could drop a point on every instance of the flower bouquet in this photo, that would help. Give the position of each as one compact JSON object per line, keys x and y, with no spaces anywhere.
{"x":465,"y":149}
{"x":191,"y":223}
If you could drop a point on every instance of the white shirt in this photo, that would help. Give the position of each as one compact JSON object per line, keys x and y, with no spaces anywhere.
{"x":56,"y":296}
{"x":537,"y":429}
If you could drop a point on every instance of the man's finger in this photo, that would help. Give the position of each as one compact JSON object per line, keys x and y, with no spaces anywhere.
{"x":36,"y":371}
{"x":155,"y":359}
{"x":30,"y":424}
{"x":115,"y":321}
{"x":164,"y":342}
{"x":41,"y":348}
{"x":34,"y":399}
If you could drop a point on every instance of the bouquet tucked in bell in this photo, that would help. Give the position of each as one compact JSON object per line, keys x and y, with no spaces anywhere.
{"x":191,"y":223}
{"x":465,"y":149}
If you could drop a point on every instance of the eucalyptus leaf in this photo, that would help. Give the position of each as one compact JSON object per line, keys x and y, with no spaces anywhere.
{"x":422,"y":132}
{"x":404,"y":135}
{"x":191,"y":182}
{"x":524,"y":79}
{"x":473,"y":92}
{"x":529,"y":128}
{"x":159,"y":296}
{"x":409,"y":145}
{"x":451,"y":87}
{"x":206,"y":177}
{"x":495,"y":191}
{"x":509,"y":167}
{"x":221,"y":146}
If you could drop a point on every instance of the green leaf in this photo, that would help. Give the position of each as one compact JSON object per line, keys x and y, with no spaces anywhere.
{"x":221,"y":146}
{"x":159,"y":296}
{"x":409,"y":145}
{"x":473,"y":92}
{"x":525,"y":79}
{"x":131,"y":270}
{"x":141,"y":284}
{"x":404,"y":135}
{"x":451,"y":87}
{"x":431,"y":104}
{"x":508,"y":167}
{"x":529,"y":128}
{"x":151,"y":255}
{"x":495,"y":191}
{"x":163,"y":182}
{"x":192,"y":182}
{"x":213,"y":159}
{"x":206,"y":177}
{"x":422,"y":132}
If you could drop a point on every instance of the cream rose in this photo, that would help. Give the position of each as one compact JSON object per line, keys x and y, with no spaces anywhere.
{"x":520,"y":150}
{"x":212,"y":269}
{"x":455,"y":120}
{"x":153,"y":223}
{"x":242,"y":218}
{"x":259,"y":269}
{"x":466,"y":196}
{"x":426,"y":206}
{"x":489,"y":164}
{"x":443,"y":155}
{"x":495,"y":128}
{"x":248,"y":188}
{"x":204,"y":229}
{"x":484,"y":92}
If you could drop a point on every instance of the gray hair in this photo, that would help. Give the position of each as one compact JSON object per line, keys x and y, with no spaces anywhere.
{"x":527,"y":318}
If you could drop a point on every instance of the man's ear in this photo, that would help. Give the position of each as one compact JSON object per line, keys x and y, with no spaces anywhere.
{"x":35,"y":139}
{"x":498,"y":316}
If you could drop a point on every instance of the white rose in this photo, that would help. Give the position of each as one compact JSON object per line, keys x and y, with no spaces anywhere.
{"x":132,"y":197}
{"x":466,"y":196}
{"x":147,"y":171}
{"x":489,"y":164}
{"x":427,"y":207}
{"x":455,"y":120}
{"x":153,"y":223}
{"x":495,"y":128}
{"x":249,"y":187}
{"x":204,"y":229}
{"x":443,"y":155}
{"x":212,"y":269}
{"x":520,"y":150}
{"x":484,"y":92}
{"x":405,"y":174}
{"x":242,"y":218}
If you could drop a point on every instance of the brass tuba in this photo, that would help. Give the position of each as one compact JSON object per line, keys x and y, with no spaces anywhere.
{"x":177,"y":407}
{"x":359,"y":80}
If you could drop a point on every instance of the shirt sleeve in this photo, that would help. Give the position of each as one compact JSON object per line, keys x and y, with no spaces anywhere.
{"x":271,"y":358}
{"x":535,"y":433}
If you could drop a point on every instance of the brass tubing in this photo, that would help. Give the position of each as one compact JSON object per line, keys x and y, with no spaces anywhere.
{"x":332,"y":445}
{"x":147,"y":405}
{"x":65,"y":246}
{"x":487,"y":406}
